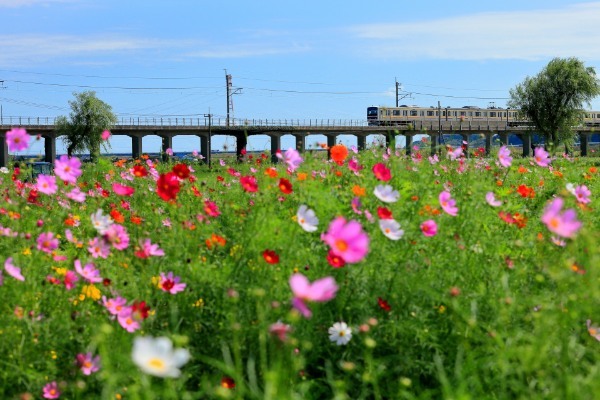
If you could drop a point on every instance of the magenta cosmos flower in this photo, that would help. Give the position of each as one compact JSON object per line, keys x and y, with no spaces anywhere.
{"x":504,"y":157}
{"x":90,"y":273}
{"x":51,"y":391}
{"x":448,"y":203}
{"x":347,"y":240}
{"x":541,"y":157}
{"x":429,"y":228}
{"x":320,"y":290}
{"x":46,"y":184}
{"x":122,"y":190}
{"x":170,"y":283}
{"x":17,"y":139}
{"x":87,"y":363}
{"x":149,"y":249}
{"x":381,"y":172}
{"x":583,"y":194}
{"x":13,"y":270}
{"x":566,"y":224}
{"x":292,"y":158}
{"x":47,"y":243}
{"x":68,"y":168}
{"x":117,"y":235}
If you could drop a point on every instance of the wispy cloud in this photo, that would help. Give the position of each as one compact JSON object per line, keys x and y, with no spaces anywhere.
{"x":526,"y":35}
{"x":247,"y":50}
{"x":25,"y":3}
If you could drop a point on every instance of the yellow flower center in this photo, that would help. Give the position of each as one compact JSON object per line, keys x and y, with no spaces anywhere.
{"x":341,"y":245}
{"x":156,"y":363}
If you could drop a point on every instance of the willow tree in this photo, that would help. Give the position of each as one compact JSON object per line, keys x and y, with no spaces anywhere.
{"x":82,"y":131}
{"x":554,"y":99}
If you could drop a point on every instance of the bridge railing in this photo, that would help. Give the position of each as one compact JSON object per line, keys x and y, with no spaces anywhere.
{"x":192,"y":122}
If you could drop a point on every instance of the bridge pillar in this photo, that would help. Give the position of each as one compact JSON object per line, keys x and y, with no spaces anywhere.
{"x":205,"y":145}
{"x":526,"y":139}
{"x":409,"y":143}
{"x":583,"y":143}
{"x":361,"y":142}
{"x":299,"y":143}
{"x":330,"y":143}
{"x":434,"y":142}
{"x":136,"y":146}
{"x":390,"y":140}
{"x":488,"y":143}
{"x":167,"y":143}
{"x":241,"y":141}
{"x":275,"y":146}
{"x":504,"y":138}
{"x":3,"y":151}
{"x":465,"y":143}
{"x":49,"y":149}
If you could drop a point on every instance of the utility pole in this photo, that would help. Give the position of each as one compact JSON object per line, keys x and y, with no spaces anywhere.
{"x":398,"y":97}
{"x":397,"y":90}
{"x":230,"y":92}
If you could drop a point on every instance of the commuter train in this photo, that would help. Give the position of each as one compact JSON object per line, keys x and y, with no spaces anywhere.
{"x":384,"y":116}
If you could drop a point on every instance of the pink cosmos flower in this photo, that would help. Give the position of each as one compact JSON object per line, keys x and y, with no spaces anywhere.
{"x":280,"y":330}
{"x":47,"y":243}
{"x":122,"y":190}
{"x":98,"y":247}
{"x":90,"y":273}
{"x":347,"y":240}
{"x":320,"y":290}
{"x":434,"y":159}
{"x":76,"y":195}
{"x":169,"y":151}
{"x":105,"y":135}
{"x":17,"y":139}
{"x":447,"y":203}
{"x":87,"y":363}
{"x":354,"y":166}
{"x":114,"y":305}
{"x":249,"y":183}
{"x":541,"y":157}
{"x":127,"y":321}
{"x":491,"y":200}
{"x":51,"y":391}
{"x":504,"y":157}
{"x":292,"y":158}
{"x":381,"y":172}
{"x":46,"y":184}
{"x":170,"y":283}
{"x":148,"y":249}
{"x":70,"y":279}
{"x":13,"y":270}
{"x":68,"y":168}
{"x":117,"y":235}
{"x":456,"y":153}
{"x":564,"y":225}
{"x":429,"y":228}
{"x":583,"y":194}
{"x":593,"y":330}
{"x":211,"y":208}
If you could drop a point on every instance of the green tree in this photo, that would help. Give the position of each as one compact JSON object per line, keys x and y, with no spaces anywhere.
{"x":83,"y":129}
{"x":553,"y":100}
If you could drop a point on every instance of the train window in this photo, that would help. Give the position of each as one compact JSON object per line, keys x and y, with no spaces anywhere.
{"x":463,"y":114}
{"x":396,"y":112}
{"x":477,"y":114}
{"x":437,"y":113}
{"x":405,"y":113}
{"x":492,"y":114}
{"x":443,"y":113}
{"x":430,"y":113}
{"x":455,"y":113}
{"x":422,"y":113}
{"x":413,"y":113}
{"x":504,"y":114}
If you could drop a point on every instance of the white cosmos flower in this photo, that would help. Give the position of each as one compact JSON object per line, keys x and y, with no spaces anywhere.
{"x":386,"y":193}
{"x":101,"y":222}
{"x":155,"y":356}
{"x":391,"y":228}
{"x":307,"y":219}
{"x":340,"y":333}
{"x":571,"y":188}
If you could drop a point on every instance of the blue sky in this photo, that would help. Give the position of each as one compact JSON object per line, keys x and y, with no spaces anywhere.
{"x":301,"y":60}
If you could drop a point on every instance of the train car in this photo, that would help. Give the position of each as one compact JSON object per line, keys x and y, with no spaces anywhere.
{"x":406,"y":114}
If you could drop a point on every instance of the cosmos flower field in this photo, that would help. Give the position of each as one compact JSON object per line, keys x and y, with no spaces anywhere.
{"x":372,"y":275}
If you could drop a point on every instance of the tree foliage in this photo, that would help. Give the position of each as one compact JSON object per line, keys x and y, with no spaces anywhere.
{"x":83,"y":129}
{"x":554,"y":99}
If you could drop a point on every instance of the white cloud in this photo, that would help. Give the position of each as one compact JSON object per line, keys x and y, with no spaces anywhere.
{"x":244,"y":51}
{"x":527,"y":35}
{"x":25,"y":3}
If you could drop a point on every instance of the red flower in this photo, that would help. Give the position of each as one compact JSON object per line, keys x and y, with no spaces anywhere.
{"x":139,"y":310}
{"x":117,"y":216}
{"x":526,"y":191}
{"x":211,"y":208}
{"x":385,"y":306}
{"x":285,"y":186}
{"x":140,"y":171}
{"x":249,"y":183}
{"x":334,"y":260}
{"x":182,"y":171}
{"x":382,"y":172}
{"x":384,"y":213}
{"x":227,"y":383}
{"x":220,"y":178}
{"x":270,"y":256}
{"x":168,"y":186}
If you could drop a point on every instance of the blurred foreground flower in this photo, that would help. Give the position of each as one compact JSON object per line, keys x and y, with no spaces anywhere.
{"x":320,"y":290}
{"x":566,"y":224}
{"x":156,"y":356}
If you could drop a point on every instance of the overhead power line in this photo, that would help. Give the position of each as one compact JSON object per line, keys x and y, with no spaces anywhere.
{"x":111,"y":87}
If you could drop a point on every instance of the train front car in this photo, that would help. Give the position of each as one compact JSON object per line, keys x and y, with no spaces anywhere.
{"x":372,"y":116}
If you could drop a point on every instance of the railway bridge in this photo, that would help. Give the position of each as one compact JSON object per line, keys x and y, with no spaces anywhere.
{"x":205,"y":129}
